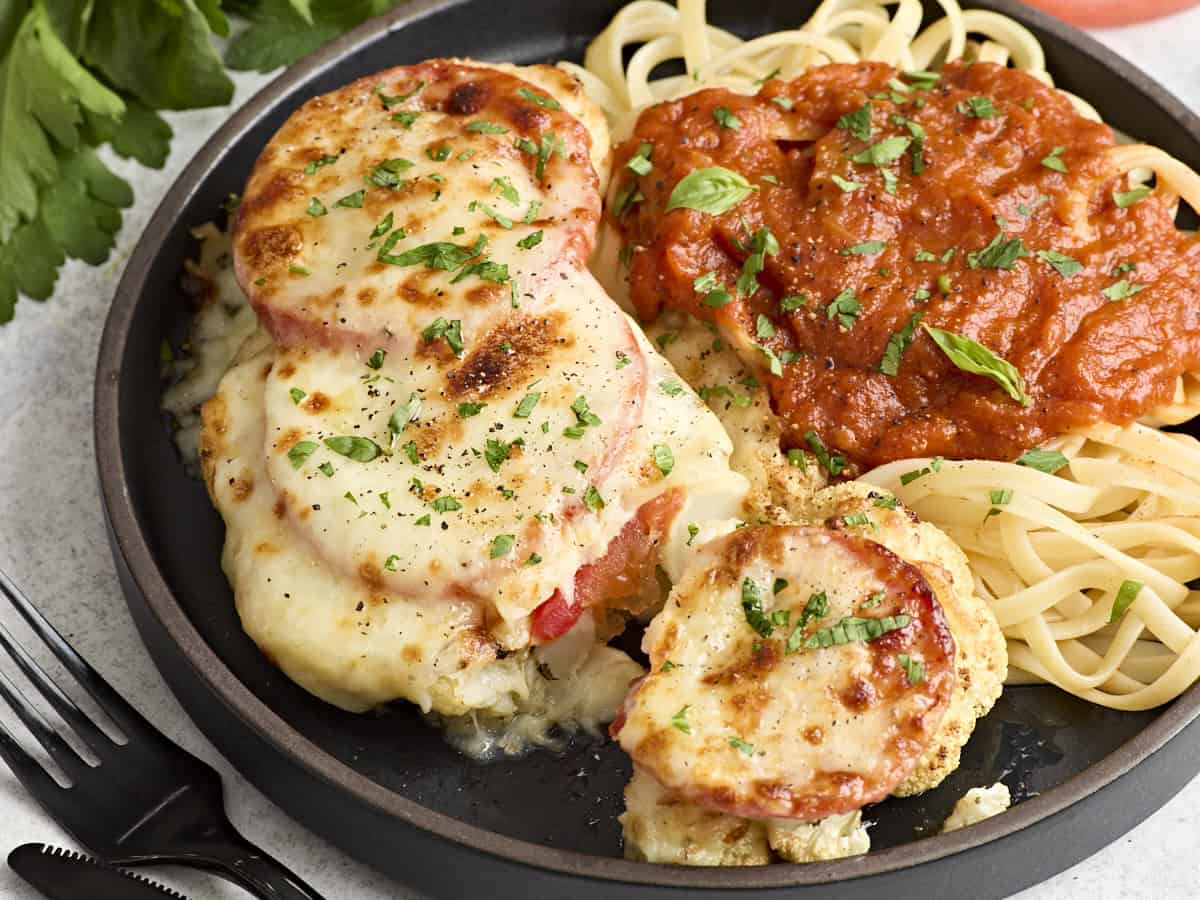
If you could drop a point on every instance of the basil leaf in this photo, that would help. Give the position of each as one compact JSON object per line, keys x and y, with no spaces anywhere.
{"x":971,"y":356}
{"x":713,"y":190}
{"x":866,"y":248}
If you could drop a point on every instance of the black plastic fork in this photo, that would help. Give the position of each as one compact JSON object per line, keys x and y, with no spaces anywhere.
{"x":147,"y":801}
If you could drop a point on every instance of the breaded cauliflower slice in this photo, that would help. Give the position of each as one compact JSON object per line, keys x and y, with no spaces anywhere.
{"x":660,"y":829}
{"x":981,"y":658}
{"x":834,"y":837}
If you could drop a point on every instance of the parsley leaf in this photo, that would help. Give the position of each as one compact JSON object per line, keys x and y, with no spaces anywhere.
{"x":279,"y":34}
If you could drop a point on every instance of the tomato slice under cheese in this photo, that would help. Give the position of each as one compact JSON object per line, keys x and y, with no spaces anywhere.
{"x":439,"y":189}
{"x":796,"y":672}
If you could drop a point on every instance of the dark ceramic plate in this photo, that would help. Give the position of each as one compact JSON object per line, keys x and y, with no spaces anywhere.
{"x":387,"y":788}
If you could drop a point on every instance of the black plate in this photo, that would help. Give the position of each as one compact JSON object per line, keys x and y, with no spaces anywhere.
{"x":388,"y":789}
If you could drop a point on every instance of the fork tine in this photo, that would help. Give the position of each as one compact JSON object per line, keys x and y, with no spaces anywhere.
{"x":126,"y":717}
{"x":31,"y":717}
{"x":27,"y":769}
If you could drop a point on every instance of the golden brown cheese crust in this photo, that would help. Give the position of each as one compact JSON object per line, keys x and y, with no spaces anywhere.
{"x":981,"y":660}
{"x":744,"y":711}
{"x":360,"y":176}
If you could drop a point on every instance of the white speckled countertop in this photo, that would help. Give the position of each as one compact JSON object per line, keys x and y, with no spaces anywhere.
{"x":52,"y":542}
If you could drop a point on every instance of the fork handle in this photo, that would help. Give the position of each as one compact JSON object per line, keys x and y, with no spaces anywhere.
{"x":246,"y":865}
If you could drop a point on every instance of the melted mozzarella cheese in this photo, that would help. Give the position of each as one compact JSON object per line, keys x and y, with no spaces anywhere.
{"x":355,"y":229}
{"x":221,"y":325}
{"x":739,"y":715}
{"x":498,"y":507}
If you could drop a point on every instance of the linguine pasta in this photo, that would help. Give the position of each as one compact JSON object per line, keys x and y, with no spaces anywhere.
{"x":1086,"y":564}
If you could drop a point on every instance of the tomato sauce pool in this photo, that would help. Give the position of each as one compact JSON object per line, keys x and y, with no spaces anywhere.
{"x":975,"y":201}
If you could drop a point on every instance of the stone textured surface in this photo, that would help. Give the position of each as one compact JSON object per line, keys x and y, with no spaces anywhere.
{"x":52,"y":542}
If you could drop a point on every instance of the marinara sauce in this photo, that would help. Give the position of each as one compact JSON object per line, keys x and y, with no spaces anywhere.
{"x":1000,"y":219}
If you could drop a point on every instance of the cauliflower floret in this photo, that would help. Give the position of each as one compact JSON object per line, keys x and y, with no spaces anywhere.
{"x":978,"y":804}
{"x":740,"y":401}
{"x":981,"y":658}
{"x":834,"y":837}
{"x":660,"y":829}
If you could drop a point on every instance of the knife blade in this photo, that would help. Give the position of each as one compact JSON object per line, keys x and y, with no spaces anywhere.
{"x":67,"y":875}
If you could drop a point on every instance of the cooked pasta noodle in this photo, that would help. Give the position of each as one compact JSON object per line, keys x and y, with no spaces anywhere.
{"x":1053,"y":557}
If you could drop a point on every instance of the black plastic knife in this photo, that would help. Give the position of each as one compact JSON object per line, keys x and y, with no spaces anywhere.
{"x":66,"y":875}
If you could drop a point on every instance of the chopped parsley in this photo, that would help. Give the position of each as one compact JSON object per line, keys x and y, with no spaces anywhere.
{"x":845,"y":307}
{"x":753,"y":610}
{"x":846,"y":185}
{"x":377,"y":358}
{"x":1000,"y":253}
{"x":452,"y":331}
{"x":1048,"y":461}
{"x":897,"y":344}
{"x":300,"y":452}
{"x":1053,"y":160}
{"x":592,"y":499}
{"x":297,"y":395}
{"x":404,"y":413}
{"x":318,"y":163}
{"x":640,"y":161}
{"x":726,"y":119}
{"x":913,"y":667}
{"x":1064,"y":265}
{"x":1127,"y":198}
{"x":445,"y":504}
{"x":485,"y":127}
{"x":316,"y":208}
{"x":352,"y":201}
{"x":679,"y":721}
{"x":1122,"y":289}
{"x":831,"y":463}
{"x":467,"y":409}
{"x":978,"y":108}
{"x":854,"y":628}
{"x":530,"y":240}
{"x":1126,"y":594}
{"x":738,"y":744}
{"x":866,"y":248}
{"x":526,"y":406}
{"x":858,"y":122}
{"x":359,"y":449}
{"x":664,"y":459}
{"x":387,"y":173}
{"x":502,"y":545}
{"x":539,"y":99}
{"x":886,"y":151}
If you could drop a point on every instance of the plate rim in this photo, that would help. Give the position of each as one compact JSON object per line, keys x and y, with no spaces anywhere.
{"x":130,"y":541}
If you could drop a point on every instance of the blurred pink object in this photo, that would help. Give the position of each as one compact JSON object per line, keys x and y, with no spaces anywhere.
{"x":1103,"y":13}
